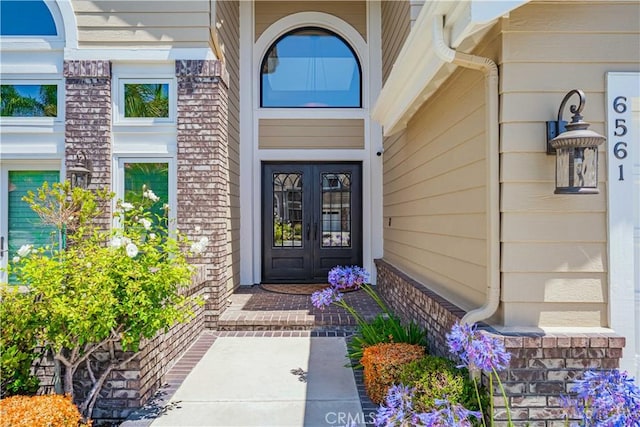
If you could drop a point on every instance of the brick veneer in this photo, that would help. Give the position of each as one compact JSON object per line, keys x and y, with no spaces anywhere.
{"x":203,"y":208}
{"x":542,"y":367}
{"x":88,"y":120}
{"x":203,"y":171}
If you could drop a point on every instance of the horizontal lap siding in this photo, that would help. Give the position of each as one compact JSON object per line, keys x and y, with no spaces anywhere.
{"x":268,"y":12}
{"x":554,"y":268}
{"x":143,"y":23}
{"x":228,"y":15}
{"x":311,"y":133}
{"x":434,"y":193}
{"x":396,"y":24}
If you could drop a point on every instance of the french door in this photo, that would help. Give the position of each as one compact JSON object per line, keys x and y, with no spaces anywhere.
{"x":312,"y":220}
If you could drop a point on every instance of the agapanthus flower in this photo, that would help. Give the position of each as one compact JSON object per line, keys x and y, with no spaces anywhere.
{"x":25,"y":250}
{"x":397,"y":409}
{"x":132,"y":250}
{"x":342,"y":278}
{"x":447,"y":414}
{"x":605,"y":398}
{"x":126,"y":206}
{"x":477,"y":350}
{"x":324,"y":298}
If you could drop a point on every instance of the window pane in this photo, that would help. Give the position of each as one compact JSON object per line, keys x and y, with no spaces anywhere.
{"x":29,"y":101}
{"x":139,"y":177}
{"x":287,"y":210}
{"x":146,"y":100}
{"x":26,"y":18}
{"x":25,"y":227}
{"x":310,"y":68}
{"x":336,"y":210}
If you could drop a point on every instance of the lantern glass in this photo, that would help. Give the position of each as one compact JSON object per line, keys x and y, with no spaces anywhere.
{"x":577,"y":170}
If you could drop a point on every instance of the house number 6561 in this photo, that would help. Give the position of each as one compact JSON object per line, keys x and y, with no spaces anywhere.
{"x":620,"y":129}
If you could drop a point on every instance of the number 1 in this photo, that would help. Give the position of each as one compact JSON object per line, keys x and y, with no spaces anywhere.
{"x":621,"y":177}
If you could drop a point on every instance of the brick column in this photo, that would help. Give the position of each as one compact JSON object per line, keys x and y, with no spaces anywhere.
{"x":203,"y":171}
{"x":88,"y":119}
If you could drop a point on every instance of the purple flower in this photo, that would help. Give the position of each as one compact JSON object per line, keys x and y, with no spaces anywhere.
{"x":398,"y":411}
{"x":448,"y":415}
{"x":477,"y":350}
{"x":605,"y":398}
{"x":398,"y":406}
{"x":325,"y":297}
{"x":342,"y":278}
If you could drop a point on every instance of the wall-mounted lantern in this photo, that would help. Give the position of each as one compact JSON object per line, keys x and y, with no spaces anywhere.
{"x":80,"y":172}
{"x":576,"y":149}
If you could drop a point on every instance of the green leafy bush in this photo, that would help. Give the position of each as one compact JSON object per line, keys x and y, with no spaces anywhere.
{"x":437,"y":378}
{"x":18,"y":346}
{"x":98,"y":288}
{"x":384,"y":328}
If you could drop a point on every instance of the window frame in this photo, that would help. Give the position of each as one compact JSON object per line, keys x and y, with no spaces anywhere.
{"x":118,"y":185}
{"x":119,"y":98}
{"x":38,"y":121}
{"x":329,"y":32}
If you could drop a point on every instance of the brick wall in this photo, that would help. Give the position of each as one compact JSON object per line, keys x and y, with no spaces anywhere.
{"x":88,"y":120}
{"x":542,"y":366}
{"x":203,"y":209}
{"x":203,"y":171}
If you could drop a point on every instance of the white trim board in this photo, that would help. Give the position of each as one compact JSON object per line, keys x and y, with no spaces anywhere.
{"x":623,"y":155}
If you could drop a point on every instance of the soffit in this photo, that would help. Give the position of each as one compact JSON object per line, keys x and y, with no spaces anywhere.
{"x":418,"y":71}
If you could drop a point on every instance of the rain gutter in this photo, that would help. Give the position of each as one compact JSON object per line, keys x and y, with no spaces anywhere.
{"x":492,"y":154}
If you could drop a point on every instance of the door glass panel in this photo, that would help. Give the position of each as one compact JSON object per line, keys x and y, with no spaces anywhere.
{"x":336,"y":210}
{"x":287,"y":210}
{"x":25,"y":227}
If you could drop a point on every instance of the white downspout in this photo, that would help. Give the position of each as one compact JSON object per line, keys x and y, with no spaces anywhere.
{"x":490,"y":70}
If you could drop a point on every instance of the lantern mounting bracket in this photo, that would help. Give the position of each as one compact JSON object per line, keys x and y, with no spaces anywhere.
{"x":555,"y":128}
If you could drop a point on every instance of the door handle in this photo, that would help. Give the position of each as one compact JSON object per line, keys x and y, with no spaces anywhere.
{"x":2,"y":250}
{"x":308,"y":231}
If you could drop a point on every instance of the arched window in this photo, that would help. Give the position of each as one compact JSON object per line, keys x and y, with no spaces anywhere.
{"x":310,"y":67}
{"x":26,"y":18}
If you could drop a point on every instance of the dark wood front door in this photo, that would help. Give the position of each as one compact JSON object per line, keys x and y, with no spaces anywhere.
{"x":312,"y":220}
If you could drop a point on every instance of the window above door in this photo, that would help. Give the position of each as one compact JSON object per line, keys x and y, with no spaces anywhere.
{"x":310,"y":68}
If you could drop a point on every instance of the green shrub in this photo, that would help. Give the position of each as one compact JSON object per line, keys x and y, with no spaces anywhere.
{"x":384,"y":328}
{"x":438,"y":378}
{"x":18,"y":344}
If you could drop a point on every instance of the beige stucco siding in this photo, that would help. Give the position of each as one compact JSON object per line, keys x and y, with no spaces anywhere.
{"x":228,"y":17}
{"x":396,"y":24}
{"x":353,"y":12}
{"x":311,"y":133}
{"x":554,"y":268}
{"x":434,"y":193}
{"x":143,"y":23}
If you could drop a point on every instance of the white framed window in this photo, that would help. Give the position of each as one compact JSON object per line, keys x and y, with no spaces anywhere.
{"x":145,"y":101}
{"x":32,"y":102}
{"x":137,"y":175}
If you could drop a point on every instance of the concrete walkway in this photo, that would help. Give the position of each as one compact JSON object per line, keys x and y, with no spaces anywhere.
{"x":268,"y":381}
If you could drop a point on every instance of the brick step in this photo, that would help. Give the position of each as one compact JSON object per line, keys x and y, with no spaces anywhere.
{"x":266,"y":321}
